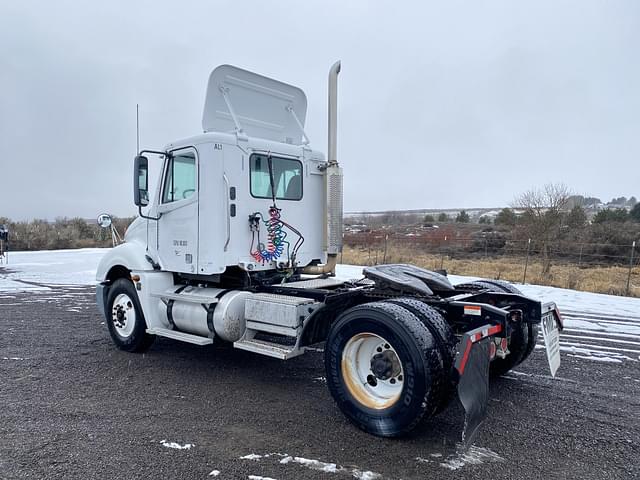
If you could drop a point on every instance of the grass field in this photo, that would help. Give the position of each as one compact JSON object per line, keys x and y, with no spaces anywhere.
{"x":599,"y":279}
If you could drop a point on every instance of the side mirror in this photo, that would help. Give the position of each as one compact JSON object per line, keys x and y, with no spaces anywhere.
{"x":104,"y":220}
{"x":141,"y":181}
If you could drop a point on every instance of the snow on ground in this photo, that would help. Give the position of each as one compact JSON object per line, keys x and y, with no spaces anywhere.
{"x":50,"y":267}
{"x":598,"y":327}
{"x":313,"y":464}
{"x":7,"y":285}
{"x":177,"y":446}
{"x":463,"y":456}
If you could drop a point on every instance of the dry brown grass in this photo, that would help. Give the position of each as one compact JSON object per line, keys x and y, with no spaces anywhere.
{"x":599,"y":279}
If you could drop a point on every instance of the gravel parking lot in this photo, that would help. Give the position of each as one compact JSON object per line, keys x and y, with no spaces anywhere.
{"x":73,"y":406}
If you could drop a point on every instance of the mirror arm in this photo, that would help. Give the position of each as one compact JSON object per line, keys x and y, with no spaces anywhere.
{"x":146,"y":216}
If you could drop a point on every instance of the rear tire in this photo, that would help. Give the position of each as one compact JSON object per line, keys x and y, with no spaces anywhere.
{"x":523,"y":339}
{"x":383,"y":368}
{"x":446,"y":341}
{"x":125,"y":319}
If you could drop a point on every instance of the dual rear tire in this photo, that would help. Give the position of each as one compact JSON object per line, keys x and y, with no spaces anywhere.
{"x":524,"y":336}
{"x":387,"y":367}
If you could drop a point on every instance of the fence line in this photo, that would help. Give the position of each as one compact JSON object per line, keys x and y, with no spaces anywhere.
{"x":615,"y":272}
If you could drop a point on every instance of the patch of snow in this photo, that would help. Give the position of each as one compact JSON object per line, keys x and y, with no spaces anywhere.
{"x":7,"y":285}
{"x":597,"y":359}
{"x":318,"y":465}
{"x":258,"y":477}
{"x":594,"y":303}
{"x":367,"y":475}
{"x":177,"y":446}
{"x":252,"y":456}
{"x":13,"y":358}
{"x":214,"y":473}
{"x":473,"y":456}
{"x":548,"y":377}
{"x":313,"y":464}
{"x":570,"y":346}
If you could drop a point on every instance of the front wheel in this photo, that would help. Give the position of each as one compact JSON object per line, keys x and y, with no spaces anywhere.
{"x":125,"y":319}
{"x":382,"y":367}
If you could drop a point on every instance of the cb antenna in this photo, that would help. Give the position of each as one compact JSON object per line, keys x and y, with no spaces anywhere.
{"x":137,"y":129}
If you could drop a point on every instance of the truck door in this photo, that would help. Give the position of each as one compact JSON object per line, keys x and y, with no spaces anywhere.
{"x":178,"y":223}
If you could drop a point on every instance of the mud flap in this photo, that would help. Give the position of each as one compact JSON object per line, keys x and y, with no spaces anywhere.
{"x":472,"y":364}
{"x":473,"y":390}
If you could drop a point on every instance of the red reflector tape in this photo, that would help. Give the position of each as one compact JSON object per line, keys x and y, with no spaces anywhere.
{"x":485,"y":333}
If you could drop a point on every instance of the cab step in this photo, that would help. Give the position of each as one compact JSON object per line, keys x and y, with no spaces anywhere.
{"x":182,"y":336}
{"x":268,"y":348}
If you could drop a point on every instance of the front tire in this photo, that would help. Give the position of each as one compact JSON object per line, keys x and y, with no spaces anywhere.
{"x":383,"y":368}
{"x":125,"y":319}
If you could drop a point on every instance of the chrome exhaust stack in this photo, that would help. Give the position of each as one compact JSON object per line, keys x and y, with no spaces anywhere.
{"x":333,"y":185}
{"x":332,"y":148}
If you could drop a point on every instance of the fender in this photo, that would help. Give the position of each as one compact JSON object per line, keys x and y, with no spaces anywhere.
{"x":129,"y":254}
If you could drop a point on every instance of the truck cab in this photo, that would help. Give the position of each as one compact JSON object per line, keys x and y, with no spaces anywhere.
{"x":197,"y":221}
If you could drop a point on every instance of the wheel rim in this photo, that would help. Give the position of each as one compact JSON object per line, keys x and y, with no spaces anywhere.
{"x":123,"y":315}
{"x":372,"y":371}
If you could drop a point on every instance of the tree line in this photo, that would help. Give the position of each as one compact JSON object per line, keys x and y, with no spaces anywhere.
{"x":60,"y":234}
{"x":551,"y":217}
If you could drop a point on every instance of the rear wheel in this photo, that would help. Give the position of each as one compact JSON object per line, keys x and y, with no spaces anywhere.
{"x":383,"y":368}
{"x":445,"y":340}
{"x":125,"y":319}
{"x":523,"y":336}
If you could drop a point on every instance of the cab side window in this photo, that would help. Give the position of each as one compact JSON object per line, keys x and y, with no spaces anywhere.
{"x":180,"y":178}
{"x":287,"y":177}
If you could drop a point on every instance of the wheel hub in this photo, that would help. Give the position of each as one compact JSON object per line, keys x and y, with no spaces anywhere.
{"x":123,"y":315}
{"x":372,"y":370}
{"x":385,"y":365}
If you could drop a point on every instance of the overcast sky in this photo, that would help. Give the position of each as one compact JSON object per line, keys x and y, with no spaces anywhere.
{"x":441,"y":104}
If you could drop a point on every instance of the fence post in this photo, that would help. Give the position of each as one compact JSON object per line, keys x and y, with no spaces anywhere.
{"x":384,"y":257}
{"x":442,"y":255}
{"x":526,"y":262}
{"x":633,"y":248}
{"x":486,"y":247}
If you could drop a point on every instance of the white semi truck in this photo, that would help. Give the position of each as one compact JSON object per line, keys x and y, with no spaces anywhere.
{"x":239,"y":244}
